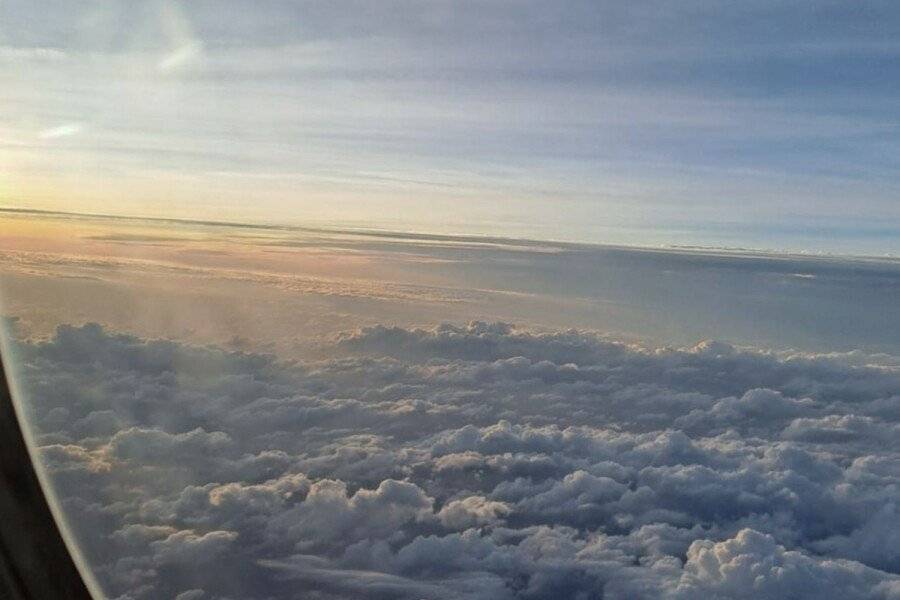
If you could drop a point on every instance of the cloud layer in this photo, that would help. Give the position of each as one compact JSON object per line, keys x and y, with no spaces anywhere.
{"x":471,"y":462}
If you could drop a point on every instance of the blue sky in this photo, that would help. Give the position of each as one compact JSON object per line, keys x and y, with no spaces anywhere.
{"x":761,"y":124}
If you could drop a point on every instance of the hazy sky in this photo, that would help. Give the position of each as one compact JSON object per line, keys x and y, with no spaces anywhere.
{"x":763,"y":124}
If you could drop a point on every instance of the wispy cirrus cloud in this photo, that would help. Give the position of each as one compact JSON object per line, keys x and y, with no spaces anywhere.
{"x":625,"y":115}
{"x":67,"y":130}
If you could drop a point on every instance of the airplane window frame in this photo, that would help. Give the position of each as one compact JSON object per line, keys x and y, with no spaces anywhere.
{"x":35,"y":562}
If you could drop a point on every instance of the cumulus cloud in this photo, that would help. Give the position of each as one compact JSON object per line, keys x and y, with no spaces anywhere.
{"x":477,"y":461}
{"x":473,"y":511}
{"x":189,"y":548}
{"x":752,"y":565}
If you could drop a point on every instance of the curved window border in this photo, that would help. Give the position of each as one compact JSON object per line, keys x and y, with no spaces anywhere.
{"x":35,"y":561}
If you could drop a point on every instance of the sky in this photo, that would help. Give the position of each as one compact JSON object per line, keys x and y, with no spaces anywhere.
{"x":768,"y":125}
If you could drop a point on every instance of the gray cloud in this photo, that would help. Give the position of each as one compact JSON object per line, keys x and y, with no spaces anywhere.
{"x":477,"y":461}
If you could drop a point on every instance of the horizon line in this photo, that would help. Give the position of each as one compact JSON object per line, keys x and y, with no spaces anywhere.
{"x":747,"y":252}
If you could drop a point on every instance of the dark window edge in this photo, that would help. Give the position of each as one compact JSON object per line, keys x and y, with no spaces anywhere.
{"x":35,"y":562}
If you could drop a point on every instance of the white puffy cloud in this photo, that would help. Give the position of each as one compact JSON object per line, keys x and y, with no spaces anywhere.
{"x":473,"y":511}
{"x":475,"y":461}
{"x":330,"y":514}
{"x":752,"y":565}
{"x":188,"y":547}
{"x":152,"y":446}
{"x":840,"y":429}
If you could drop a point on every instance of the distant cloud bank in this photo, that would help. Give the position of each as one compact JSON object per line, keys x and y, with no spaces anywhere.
{"x":480,"y":461}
